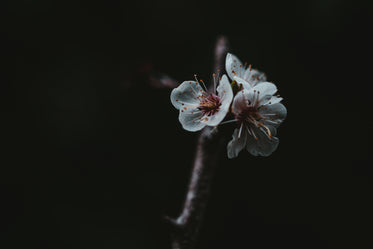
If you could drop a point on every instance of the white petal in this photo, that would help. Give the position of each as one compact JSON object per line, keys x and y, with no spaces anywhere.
{"x":190,"y":119}
{"x":240,"y":101}
{"x":275,"y":100}
{"x":215,"y":119}
{"x":232,"y":65}
{"x":269,"y":100}
{"x":226,"y":95}
{"x":186,"y":94}
{"x":236,"y":144}
{"x":266,"y":88}
{"x":277,"y":111}
{"x":224,"y":90}
{"x":246,"y":85}
{"x":254,"y":76}
{"x":264,"y":146}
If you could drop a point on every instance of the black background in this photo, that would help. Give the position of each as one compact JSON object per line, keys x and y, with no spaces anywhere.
{"x":94,"y":156}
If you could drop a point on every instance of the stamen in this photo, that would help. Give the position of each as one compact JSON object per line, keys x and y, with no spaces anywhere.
{"x":213,"y":76}
{"x":228,"y":121}
{"x":239,"y":132}
{"x":190,"y":106}
{"x":248,"y":130}
{"x":255,"y":100}
{"x":196,"y":93}
{"x":268,"y":130}
{"x":253,"y":133}
{"x":203,"y":83}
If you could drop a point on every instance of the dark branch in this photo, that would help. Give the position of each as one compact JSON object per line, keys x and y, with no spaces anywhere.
{"x":186,"y":226}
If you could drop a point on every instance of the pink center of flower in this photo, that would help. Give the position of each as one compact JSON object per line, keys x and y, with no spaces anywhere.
{"x":249,"y":114}
{"x":209,"y":104}
{"x":249,"y":118}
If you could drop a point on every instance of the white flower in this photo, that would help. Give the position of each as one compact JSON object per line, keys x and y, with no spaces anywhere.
{"x":199,"y":108}
{"x":258,"y":114}
{"x":241,"y":73}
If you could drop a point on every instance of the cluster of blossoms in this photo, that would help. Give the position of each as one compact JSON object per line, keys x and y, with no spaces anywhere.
{"x":256,"y":110}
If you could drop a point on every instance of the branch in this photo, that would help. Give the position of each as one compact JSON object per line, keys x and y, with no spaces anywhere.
{"x":186,"y":226}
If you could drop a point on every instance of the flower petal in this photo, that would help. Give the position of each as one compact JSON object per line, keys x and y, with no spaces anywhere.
{"x":276,"y":112}
{"x":225,"y":93}
{"x":191,"y":119}
{"x":224,"y":89}
{"x":240,"y":101}
{"x":263,"y":146}
{"x":232,"y":65}
{"x":266,"y":88}
{"x":236,"y":144}
{"x":254,"y":76}
{"x":186,"y":94}
{"x":246,"y":85}
{"x":269,"y":100}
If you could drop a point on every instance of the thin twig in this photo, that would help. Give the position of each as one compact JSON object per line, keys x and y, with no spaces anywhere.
{"x":186,"y":226}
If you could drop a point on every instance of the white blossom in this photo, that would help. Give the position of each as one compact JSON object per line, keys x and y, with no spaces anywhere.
{"x":199,"y":108}
{"x":242,"y":73}
{"x":258,"y":114}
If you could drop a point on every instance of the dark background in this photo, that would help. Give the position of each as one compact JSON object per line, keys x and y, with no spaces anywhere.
{"x":94,"y":155}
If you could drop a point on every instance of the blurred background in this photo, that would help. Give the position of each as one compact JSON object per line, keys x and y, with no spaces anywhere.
{"x":94,"y":155}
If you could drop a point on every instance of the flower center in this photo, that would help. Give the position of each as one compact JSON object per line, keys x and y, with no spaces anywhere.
{"x":249,"y":114}
{"x":209,"y":104}
{"x":250,"y":118}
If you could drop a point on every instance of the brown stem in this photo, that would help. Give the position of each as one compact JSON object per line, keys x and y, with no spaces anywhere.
{"x":209,"y":146}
